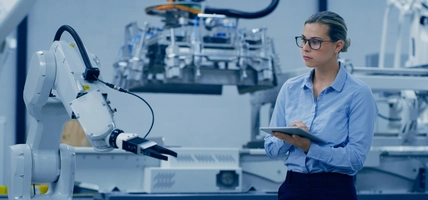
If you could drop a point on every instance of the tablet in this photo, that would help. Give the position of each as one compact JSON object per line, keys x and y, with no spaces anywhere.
{"x":293,"y":131}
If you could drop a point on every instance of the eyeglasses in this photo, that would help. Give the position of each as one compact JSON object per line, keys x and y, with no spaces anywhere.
{"x":314,"y":43}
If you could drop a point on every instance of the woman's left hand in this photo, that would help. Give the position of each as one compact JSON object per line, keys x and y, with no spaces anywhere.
{"x":301,"y":142}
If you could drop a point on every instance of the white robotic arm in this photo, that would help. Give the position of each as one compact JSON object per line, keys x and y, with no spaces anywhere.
{"x":65,"y":73}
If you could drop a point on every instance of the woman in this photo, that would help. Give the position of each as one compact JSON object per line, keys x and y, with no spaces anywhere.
{"x":329,"y":103}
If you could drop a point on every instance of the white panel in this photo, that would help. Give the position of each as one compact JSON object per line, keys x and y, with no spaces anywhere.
{"x":103,"y":171}
{"x":191,"y":180}
{"x":203,"y":158}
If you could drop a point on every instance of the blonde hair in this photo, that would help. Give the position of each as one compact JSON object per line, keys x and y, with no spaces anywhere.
{"x":337,"y":27}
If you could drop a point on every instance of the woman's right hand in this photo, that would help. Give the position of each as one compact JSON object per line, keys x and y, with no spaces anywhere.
{"x":300,"y":124}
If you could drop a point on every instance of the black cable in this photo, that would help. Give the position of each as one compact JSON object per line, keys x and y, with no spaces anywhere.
{"x":115,"y":87}
{"x":241,"y":14}
{"x":34,"y":190}
{"x":90,"y":71}
{"x":388,"y":118}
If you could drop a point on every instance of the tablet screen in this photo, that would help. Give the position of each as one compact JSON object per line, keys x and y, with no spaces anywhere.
{"x":293,"y":131}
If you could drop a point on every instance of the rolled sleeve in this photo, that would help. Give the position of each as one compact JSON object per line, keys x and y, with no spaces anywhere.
{"x":362,"y":120}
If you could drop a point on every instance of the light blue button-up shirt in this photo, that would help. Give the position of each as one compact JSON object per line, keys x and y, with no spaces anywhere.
{"x":344,"y":114}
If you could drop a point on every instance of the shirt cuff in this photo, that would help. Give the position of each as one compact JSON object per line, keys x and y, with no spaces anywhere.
{"x":321,"y":153}
{"x":278,"y":141}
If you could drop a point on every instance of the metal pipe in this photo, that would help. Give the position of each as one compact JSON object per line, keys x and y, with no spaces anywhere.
{"x":241,"y":14}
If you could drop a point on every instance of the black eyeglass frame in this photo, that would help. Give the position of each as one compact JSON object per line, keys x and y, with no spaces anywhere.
{"x":312,"y":39}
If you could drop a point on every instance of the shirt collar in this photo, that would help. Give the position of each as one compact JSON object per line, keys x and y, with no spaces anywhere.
{"x":341,"y":77}
{"x":337,"y":84}
{"x":307,"y":83}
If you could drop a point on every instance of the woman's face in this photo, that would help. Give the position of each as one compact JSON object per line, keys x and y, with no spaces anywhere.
{"x":317,"y":35}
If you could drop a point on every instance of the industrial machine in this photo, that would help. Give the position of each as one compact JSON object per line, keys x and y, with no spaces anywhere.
{"x":198,"y":50}
{"x":65,"y":83}
{"x":398,"y":159}
{"x":416,"y":11}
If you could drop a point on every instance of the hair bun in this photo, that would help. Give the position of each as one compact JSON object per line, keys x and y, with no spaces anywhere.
{"x":346,"y":45}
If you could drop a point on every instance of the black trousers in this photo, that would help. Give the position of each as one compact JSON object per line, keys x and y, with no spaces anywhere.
{"x":317,"y":186}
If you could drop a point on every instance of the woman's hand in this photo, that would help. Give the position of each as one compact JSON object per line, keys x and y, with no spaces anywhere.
{"x":300,"y":142}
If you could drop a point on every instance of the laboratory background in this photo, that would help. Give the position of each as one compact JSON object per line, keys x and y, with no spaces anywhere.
{"x":203,"y":94}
